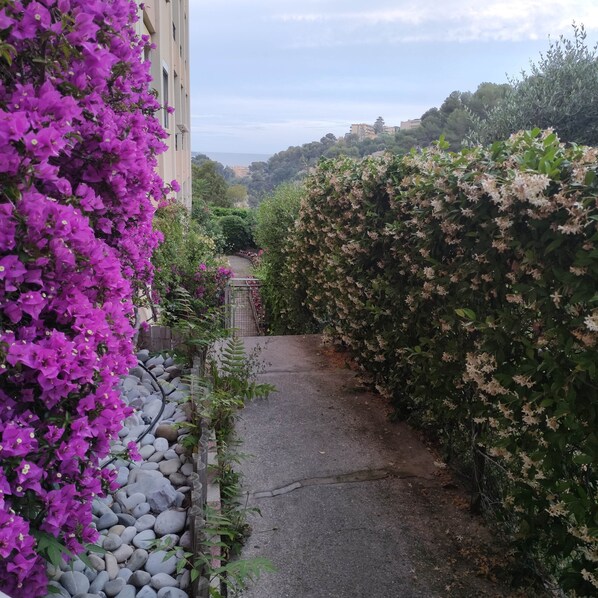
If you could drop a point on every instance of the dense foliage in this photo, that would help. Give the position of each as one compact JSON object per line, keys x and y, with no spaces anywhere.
{"x":453,"y":120}
{"x":226,"y":172}
{"x":282,"y":299}
{"x":560,"y":91}
{"x":208,"y":185}
{"x":465,"y":284}
{"x":77,"y":171}
{"x":189,"y":281}
{"x":230,"y":228}
{"x":237,"y":233}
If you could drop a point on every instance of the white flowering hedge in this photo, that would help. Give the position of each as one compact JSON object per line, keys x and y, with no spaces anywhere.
{"x":466,"y":285}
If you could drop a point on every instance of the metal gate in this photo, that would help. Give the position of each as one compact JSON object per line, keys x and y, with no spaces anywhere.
{"x":243,"y":315}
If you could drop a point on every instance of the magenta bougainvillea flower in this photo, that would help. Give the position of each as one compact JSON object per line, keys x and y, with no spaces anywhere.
{"x":78,"y":146}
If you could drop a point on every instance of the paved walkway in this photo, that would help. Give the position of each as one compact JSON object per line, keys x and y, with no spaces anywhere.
{"x":241,"y":316}
{"x":240,"y":266}
{"x":352,"y":506}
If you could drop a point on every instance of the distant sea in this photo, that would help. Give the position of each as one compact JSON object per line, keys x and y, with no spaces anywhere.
{"x":232,"y":159}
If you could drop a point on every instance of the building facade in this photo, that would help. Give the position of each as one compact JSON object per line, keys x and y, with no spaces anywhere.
{"x":166,"y":22}
{"x":406,"y":125}
{"x":363,"y":131}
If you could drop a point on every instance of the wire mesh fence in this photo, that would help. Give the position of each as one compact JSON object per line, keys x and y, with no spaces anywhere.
{"x":244,"y":314}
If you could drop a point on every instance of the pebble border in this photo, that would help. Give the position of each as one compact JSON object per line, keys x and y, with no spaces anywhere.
{"x":170,"y":502}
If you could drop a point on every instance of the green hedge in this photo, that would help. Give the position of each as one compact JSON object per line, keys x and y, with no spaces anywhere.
{"x":237,"y":233}
{"x":246,"y":214}
{"x":466,"y":285}
{"x":283,"y":302}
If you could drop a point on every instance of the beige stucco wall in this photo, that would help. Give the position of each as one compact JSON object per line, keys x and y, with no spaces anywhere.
{"x":167,"y":24}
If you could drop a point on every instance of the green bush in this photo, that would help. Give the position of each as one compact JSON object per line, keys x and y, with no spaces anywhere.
{"x":246,"y":214}
{"x":466,"y":285}
{"x":237,"y":233}
{"x":282,"y":294}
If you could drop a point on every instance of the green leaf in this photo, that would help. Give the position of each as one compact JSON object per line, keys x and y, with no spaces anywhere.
{"x":549,"y":140}
{"x":583,"y":459}
{"x":554,"y":245}
{"x":85,"y":559}
{"x":589,"y":180}
{"x":464,"y":312}
{"x":54,"y":553}
{"x":95,"y":548}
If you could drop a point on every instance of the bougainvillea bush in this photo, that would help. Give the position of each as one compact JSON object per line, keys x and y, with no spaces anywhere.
{"x":466,"y":285}
{"x":78,"y":140}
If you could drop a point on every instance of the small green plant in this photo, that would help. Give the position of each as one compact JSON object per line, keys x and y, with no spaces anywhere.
{"x":233,"y":575}
{"x":231,"y":383}
{"x":228,"y":383}
{"x":222,"y":531}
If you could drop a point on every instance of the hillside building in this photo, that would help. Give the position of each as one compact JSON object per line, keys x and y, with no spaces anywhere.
{"x":363,"y":131}
{"x":166,"y":22}
{"x":410,"y":124}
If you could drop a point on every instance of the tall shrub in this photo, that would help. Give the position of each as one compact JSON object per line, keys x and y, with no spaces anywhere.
{"x":466,"y":285}
{"x":237,"y":233}
{"x":78,"y":140}
{"x":280,"y":290}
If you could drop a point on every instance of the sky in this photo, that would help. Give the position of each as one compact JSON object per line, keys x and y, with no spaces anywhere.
{"x":270,"y":74}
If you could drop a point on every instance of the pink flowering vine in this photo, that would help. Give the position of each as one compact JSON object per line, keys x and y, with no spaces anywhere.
{"x":78,"y":147}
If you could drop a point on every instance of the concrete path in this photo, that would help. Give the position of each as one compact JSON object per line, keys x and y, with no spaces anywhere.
{"x":241,"y":316}
{"x":240,"y":266}
{"x":352,"y":505}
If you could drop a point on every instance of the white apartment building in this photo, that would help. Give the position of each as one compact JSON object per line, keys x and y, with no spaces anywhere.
{"x":166,"y":22}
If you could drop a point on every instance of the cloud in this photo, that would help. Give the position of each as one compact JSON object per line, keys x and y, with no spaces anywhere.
{"x":426,"y":21}
{"x":270,"y":73}
{"x":271,"y":123}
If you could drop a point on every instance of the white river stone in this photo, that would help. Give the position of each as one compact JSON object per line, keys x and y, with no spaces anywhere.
{"x":171,"y":521}
{"x":156,"y":563}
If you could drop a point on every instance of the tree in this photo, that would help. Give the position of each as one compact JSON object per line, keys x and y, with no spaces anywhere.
{"x":237,"y":195}
{"x":227,"y":173}
{"x":486,"y":98}
{"x":451,"y":103}
{"x":328,"y":140}
{"x":379,"y":125}
{"x":456,"y":127}
{"x":209,"y":185}
{"x":431,"y":127}
{"x":560,"y":91}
